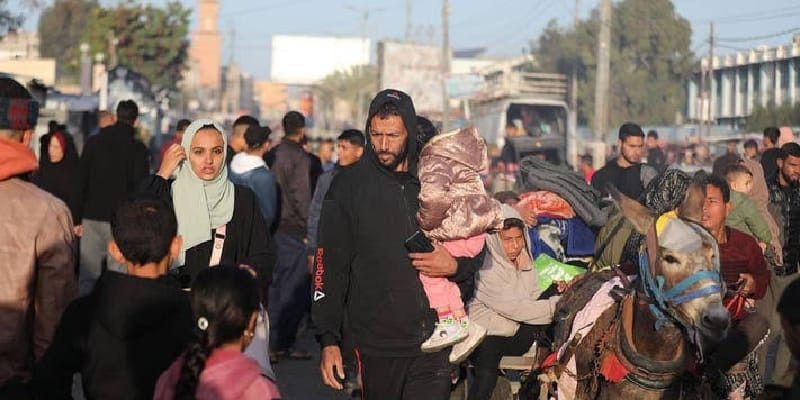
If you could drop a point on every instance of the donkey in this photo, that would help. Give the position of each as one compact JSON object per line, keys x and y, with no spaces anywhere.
{"x":643,"y":347}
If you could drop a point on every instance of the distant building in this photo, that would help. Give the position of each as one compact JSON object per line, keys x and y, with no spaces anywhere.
{"x":19,"y":44}
{"x":205,"y":51}
{"x":237,"y":91}
{"x":271,"y":99}
{"x":304,"y":60}
{"x":743,"y":80}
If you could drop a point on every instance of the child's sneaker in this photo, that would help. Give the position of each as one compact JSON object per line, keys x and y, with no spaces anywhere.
{"x":462,"y":349}
{"x":447,"y":332}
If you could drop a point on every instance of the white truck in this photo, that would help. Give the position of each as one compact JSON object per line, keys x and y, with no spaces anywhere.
{"x":523,"y":113}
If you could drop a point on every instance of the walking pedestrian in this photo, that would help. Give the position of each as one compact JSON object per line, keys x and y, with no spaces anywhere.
{"x":626,"y":171}
{"x":133,"y":324}
{"x":784,"y":198}
{"x":769,"y":158}
{"x":363,"y":267}
{"x":655,"y":156}
{"x":237,"y":143}
{"x":225,"y":301}
{"x":249,"y":170}
{"x":325,"y":154}
{"x":213,"y":213}
{"x":59,"y":170}
{"x":289,"y":298}
{"x":36,"y":248}
{"x":112,"y":165}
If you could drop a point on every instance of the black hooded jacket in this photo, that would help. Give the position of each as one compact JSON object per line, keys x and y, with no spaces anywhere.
{"x":120,"y":338}
{"x":361,"y":261}
{"x":60,"y":179}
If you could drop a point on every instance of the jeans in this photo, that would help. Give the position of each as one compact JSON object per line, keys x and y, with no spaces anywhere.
{"x":290,"y":291}
{"x":94,"y":256}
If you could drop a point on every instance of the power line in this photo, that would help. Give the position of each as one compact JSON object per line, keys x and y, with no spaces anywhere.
{"x":762,"y":37}
{"x":255,"y":10}
{"x":753,"y":15}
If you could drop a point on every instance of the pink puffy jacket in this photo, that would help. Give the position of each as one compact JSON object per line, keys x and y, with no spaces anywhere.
{"x":453,"y":203}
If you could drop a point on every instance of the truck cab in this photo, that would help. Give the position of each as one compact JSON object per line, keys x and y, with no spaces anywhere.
{"x":524,"y":114}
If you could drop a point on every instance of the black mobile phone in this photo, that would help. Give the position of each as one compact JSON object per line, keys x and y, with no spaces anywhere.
{"x":419,"y":243}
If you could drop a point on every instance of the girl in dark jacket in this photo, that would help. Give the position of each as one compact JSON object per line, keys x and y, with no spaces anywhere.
{"x":213,"y":213}
{"x":59,"y":169}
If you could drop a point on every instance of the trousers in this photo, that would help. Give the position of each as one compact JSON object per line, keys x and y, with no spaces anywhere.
{"x":94,"y":258}
{"x":290,"y":291}
{"x":424,"y":377}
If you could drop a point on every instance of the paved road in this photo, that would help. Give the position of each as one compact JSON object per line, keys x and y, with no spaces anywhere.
{"x":300,"y":380}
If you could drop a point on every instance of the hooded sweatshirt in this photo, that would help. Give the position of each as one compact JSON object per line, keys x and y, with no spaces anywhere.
{"x":361,"y":261}
{"x":120,"y":338}
{"x":228,"y":375}
{"x":453,"y":203}
{"x":505,"y":295}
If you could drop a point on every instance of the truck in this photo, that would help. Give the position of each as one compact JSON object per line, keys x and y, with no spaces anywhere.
{"x":524,"y":113}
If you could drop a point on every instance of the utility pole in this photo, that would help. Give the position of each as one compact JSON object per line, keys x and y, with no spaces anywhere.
{"x":710,"y":75}
{"x":408,"y":20}
{"x":572,"y":147}
{"x":445,"y":64}
{"x":601,"y":90}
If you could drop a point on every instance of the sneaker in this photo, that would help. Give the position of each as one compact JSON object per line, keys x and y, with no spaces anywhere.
{"x":462,"y":349}
{"x":447,"y":332}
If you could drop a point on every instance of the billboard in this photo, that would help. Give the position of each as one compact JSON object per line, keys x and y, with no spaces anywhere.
{"x":304,"y":60}
{"x":415,"y":69}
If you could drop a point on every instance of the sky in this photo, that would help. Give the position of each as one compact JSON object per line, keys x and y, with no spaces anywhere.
{"x":504,"y":27}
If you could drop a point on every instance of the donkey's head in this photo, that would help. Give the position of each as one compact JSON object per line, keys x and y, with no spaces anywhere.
{"x":684,"y":281}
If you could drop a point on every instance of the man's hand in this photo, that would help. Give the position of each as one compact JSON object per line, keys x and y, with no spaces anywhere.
{"x":528,"y":215}
{"x":746,"y":283}
{"x":77,"y":230}
{"x":332,"y":358}
{"x":438,"y":263}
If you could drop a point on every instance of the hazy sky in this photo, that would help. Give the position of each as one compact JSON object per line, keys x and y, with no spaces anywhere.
{"x":503,"y":26}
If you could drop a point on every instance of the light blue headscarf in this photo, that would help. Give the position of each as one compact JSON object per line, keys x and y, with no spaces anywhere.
{"x":200,"y":206}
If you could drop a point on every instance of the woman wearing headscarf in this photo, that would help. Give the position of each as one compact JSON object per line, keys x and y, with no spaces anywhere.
{"x":220,"y":222}
{"x":59,"y":169}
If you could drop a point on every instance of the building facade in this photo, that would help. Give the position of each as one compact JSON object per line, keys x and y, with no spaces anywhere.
{"x":744,"y":80}
{"x":205,"y":52}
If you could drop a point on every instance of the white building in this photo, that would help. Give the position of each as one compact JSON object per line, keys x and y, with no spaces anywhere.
{"x":304,"y":60}
{"x":742,"y":80}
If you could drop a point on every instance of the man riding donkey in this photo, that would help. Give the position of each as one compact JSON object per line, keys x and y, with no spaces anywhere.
{"x":656,"y":337}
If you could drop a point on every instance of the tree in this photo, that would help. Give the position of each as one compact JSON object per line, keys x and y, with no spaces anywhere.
{"x":61,"y":27}
{"x":355,"y":87}
{"x":772,"y":115}
{"x":150,"y":40}
{"x":650,"y":60}
{"x":8,"y":20}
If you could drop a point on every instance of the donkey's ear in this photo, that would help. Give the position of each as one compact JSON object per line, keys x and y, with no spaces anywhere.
{"x":692,"y":206}
{"x":638,"y":215}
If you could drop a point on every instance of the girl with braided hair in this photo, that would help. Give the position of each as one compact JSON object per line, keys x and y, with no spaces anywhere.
{"x":225,"y":301}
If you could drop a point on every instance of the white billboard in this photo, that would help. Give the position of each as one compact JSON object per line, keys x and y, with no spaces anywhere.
{"x":415,"y":69}
{"x":304,"y":60}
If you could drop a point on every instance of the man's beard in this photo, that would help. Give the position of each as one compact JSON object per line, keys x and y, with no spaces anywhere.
{"x":788,"y":179}
{"x":630,"y":161}
{"x":398,"y":159}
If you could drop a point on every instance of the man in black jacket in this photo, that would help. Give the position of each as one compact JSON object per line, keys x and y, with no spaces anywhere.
{"x":112,"y":166}
{"x":363,"y":265}
{"x":132,"y":326}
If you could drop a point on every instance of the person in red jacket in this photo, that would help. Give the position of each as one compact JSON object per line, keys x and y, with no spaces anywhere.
{"x":745,"y":273}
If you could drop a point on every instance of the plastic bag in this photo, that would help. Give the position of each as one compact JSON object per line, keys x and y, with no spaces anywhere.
{"x":551,"y":270}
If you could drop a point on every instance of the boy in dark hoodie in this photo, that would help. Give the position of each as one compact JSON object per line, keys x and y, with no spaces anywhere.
{"x":131,"y":326}
{"x":362,"y":264}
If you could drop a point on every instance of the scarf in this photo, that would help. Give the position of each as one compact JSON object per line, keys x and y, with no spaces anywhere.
{"x":200,"y":206}
{"x":15,"y":159}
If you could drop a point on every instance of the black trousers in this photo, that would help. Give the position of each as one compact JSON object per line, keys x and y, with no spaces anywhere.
{"x":486,"y":358}
{"x":425,"y":377}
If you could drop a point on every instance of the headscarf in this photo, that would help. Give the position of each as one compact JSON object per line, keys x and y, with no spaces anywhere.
{"x":497,"y":255}
{"x":201,"y":206}
{"x":62,"y":178}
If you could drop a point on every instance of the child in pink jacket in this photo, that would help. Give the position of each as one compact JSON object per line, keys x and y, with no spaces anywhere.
{"x":225,"y":301}
{"x":455,"y":211}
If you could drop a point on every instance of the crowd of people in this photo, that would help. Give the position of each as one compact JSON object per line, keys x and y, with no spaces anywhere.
{"x":395,"y":246}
